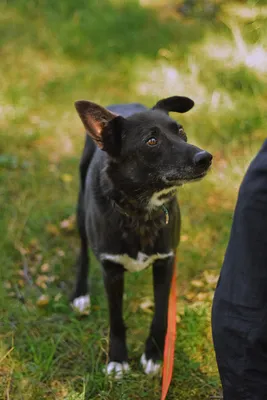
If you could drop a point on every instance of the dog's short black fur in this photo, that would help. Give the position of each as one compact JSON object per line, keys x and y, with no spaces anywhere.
{"x":133,"y":161}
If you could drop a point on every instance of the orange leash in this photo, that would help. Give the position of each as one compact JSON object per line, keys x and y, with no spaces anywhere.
{"x":169,"y":348}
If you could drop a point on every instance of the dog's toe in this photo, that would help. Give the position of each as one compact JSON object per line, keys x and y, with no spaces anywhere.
{"x":82,"y":304}
{"x":116,"y":369}
{"x":150,"y":367}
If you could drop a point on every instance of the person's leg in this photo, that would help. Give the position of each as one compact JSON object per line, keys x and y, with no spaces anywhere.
{"x":239,"y":314}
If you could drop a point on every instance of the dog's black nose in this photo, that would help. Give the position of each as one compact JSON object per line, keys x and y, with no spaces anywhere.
{"x":202,"y":159}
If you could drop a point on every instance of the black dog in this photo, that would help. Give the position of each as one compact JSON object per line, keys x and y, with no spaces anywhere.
{"x":132,"y":164}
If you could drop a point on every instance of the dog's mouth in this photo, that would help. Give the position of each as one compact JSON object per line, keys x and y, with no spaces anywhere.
{"x":198,"y":177}
{"x":182,"y":180}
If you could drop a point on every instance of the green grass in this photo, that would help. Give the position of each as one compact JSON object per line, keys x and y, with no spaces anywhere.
{"x":53,"y":53}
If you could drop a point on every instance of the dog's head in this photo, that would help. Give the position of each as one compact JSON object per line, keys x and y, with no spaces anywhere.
{"x":148,"y":152}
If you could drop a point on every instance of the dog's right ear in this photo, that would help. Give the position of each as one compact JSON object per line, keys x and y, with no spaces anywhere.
{"x":99,"y":124}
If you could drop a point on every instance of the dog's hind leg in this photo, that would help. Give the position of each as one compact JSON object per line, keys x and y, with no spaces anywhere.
{"x":81,"y":298}
{"x":162,"y":275}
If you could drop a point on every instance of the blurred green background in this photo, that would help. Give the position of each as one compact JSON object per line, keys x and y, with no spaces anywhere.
{"x":53,"y":53}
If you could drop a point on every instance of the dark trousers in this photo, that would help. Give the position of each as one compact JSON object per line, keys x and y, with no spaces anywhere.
{"x":239,"y":313}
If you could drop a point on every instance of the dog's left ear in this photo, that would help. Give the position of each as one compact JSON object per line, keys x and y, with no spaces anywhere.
{"x":178,"y":104}
{"x":102,"y":125}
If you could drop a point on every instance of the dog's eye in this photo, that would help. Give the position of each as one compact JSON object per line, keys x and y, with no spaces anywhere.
{"x":181,"y":131}
{"x":152,"y":141}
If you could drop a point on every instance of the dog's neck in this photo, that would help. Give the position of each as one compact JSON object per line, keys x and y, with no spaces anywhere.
{"x":143,"y":206}
{"x":133,"y":207}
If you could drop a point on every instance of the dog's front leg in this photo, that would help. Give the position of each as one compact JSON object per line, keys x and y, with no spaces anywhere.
{"x":114,"y":284}
{"x":162,"y":275}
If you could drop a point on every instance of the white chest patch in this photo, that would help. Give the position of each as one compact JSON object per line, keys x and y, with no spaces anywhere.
{"x":159,"y":198}
{"x":141,"y":262}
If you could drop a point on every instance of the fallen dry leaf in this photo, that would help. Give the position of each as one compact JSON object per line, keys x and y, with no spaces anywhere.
{"x":147,"y":305}
{"x":52,"y":229}
{"x":22,"y":250}
{"x":39,"y":257}
{"x":21,"y":283}
{"x":190,"y":296}
{"x":165,"y":53}
{"x":196,"y":304}
{"x":7,"y":285}
{"x":202,"y":296}
{"x":58,"y":297}
{"x":62,"y":391}
{"x":34,"y":244}
{"x":184,"y":238}
{"x":180,"y":308}
{"x":41,"y":281}
{"x":52,"y":278}
{"x":45,"y":267}
{"x":60,"y":252}
{"x":197,"y":283}
{"x":68,"y":224}
{"x":66,"y":178}
{"x":210,"y":278}
{"x":43,"y":300}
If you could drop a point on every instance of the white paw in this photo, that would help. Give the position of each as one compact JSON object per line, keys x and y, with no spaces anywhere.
{"x":150,"y":367}
{"x":116,"y":369}
{"x":82,"y":304}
